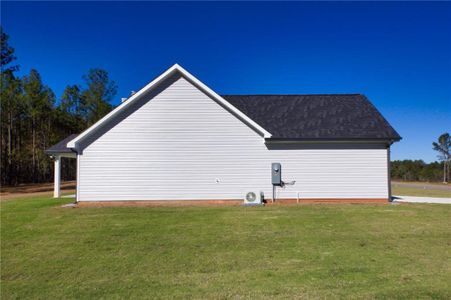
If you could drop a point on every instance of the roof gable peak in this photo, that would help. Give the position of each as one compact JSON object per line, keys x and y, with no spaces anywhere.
{"x":154,"y":83}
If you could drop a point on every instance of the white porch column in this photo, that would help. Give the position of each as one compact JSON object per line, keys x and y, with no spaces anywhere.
{"x":57,"y":186}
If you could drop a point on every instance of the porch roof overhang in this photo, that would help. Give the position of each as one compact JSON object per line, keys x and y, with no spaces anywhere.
{"x":58,"y":151}
{"x":60,"y":148}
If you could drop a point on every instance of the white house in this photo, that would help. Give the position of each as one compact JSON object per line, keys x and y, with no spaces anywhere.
{"x":176,"y":139}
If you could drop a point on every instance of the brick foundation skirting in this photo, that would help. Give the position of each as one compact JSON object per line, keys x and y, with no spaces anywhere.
{"x":331,"y":201}
{"x":231,"y":202}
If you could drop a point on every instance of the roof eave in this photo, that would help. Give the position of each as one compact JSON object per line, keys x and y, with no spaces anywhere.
{"x":332,"y":140}
{"x":58,"y":151}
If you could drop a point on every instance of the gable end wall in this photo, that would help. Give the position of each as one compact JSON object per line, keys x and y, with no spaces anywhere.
{"x":182,"y":145}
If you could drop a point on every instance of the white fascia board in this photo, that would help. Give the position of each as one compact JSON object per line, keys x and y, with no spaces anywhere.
{"x":224,"y":102}
{"x":72,"y":144}
{"x":168,"y":72}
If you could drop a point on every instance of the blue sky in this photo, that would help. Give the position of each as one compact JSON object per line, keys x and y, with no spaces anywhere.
{"x":398,"y":54}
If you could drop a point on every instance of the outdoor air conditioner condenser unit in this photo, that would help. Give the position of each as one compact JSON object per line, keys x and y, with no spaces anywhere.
{"x":253,"y":198}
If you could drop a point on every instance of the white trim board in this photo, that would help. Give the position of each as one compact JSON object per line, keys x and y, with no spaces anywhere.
{"x":165,"y":75}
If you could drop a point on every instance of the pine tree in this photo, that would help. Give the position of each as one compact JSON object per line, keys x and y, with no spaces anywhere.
{"x":98,"y":95}
{"x":39,"y":101}
{"x":10,"y":92}
{"x":444,"y":148}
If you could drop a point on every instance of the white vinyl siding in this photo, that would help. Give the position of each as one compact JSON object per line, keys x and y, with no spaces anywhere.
{"x":181,"y":142}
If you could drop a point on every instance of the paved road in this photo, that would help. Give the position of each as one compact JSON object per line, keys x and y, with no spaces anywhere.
{"x":423,"y":185}
{"x":412,"y":199}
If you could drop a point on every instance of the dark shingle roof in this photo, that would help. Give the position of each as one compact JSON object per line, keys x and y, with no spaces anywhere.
{"x":342,"y":116}
{"x":308,"y":117}
{"x":60,"y":147}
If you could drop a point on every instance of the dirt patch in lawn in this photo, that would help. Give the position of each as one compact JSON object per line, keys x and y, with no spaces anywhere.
{"x":35,"y":189}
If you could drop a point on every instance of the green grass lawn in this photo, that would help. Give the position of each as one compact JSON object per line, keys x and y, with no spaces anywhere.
{"x":412,"y":191}
{"x":306,"y":251}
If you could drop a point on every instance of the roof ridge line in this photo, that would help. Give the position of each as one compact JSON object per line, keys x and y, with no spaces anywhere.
{"x":249,"y":95}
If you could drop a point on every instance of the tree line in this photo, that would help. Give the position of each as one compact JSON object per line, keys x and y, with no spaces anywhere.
{"x":417,"y":170}
{"x":32,"y":119}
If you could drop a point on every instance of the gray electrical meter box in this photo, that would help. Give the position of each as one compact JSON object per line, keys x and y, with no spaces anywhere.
{"x":276,"y":174}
